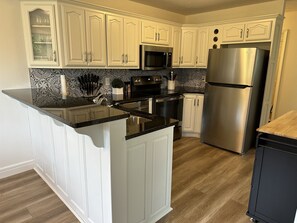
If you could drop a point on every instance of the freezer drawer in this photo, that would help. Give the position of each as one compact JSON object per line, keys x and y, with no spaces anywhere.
{"x":225,"y":117}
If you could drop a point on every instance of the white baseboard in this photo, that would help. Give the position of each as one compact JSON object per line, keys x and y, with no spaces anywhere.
{"x":8,"y":171}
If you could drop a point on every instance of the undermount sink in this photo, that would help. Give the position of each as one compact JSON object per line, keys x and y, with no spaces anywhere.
{"x":136,"y":120}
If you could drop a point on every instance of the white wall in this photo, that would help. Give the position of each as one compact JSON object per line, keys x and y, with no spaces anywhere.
{"x":288,"y":82}
{"x":254,"y":10}
{"x":15,"y":143}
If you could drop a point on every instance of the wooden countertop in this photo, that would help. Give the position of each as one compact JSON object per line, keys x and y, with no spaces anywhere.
{"x":285,"y":126}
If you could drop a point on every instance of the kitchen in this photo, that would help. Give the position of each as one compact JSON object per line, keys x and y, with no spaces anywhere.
{"x":13,"y":76}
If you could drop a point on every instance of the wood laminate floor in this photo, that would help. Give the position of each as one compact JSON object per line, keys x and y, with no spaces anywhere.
{"x":209,"y":186}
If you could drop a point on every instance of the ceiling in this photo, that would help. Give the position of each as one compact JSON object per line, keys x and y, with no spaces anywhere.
{"x":188,"y":7}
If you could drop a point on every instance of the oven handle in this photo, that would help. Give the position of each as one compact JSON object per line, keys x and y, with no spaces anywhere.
{"x":173,"y":98}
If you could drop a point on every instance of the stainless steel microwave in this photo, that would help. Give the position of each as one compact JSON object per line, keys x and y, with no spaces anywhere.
{"x":155,"y":57}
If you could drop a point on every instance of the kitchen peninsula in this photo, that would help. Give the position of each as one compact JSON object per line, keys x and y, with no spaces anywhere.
{"x":101,"y":171}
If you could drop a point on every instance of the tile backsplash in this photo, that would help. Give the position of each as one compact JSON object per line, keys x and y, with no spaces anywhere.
{"x":50,"y":78}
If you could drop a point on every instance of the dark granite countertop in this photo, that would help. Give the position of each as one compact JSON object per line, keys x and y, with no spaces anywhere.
{"x":64,"y":110}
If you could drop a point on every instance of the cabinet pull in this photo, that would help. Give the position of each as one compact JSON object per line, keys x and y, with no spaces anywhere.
{"x":55,"y":56}
{"x":126,"y":58}
{"x":85,"y":57}
{"x":123,"y":58}
{"x":91,"y":58}
{"x":194,"y":102}
{"x":158,"y":36}
{"x":196,"y":59}
{"x":241,"y":31}
{"x":197,"y":102}
{"x":247,"y":33}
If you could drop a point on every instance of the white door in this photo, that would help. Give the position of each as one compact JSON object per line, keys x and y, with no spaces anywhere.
{"x":95,"y":35}
{"x":189,"y":113}
{"x":115,"y":43}
{"x":131,"y":42}
{"x":176,"y":42}
{"x":258,"y":31}
{"x":40,"y":34}
{"x":188,"y":47}
{"x":233,"y":33}
{"x":74,"y":36}
{"x":163,"y":34}
{"x":202,"y":47}
{"x":149,"y":32}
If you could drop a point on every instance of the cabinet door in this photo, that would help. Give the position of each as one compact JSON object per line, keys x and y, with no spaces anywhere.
{"x":202,"y":47}
{"x":95,"y":35}
{"x":198,"y":113}
{"x":74,"y":35}
{"x":189,"y":113}
{"x":176,"y":42}
{"x":188,"y":47}
{"x":163,"y":34}
{"x":131,"y":42}
{"x":233,"y":33}
{"x":40,"y":34}
{"x":148,"y":32}
{"x":115,"y":37}
{"x":258,"y":31}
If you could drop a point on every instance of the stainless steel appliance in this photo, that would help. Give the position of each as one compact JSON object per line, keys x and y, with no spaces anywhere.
{"x":146,"y":96}
{"x":155,"y":57}
{"x":233,"y":97}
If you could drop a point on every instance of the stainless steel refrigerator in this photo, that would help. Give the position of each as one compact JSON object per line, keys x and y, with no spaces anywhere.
{"x":234,"y":90}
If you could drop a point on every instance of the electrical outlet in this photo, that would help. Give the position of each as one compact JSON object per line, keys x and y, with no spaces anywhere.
{"x":203,"y":78}
{"x":106,"y":81}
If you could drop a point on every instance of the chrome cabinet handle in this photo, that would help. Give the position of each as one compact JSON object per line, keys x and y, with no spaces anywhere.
{"x":123,"y":59}
{"x":158,"y":36}
{"x":194,"y":102}
{"x":241,"y":31}
{"x":55,"y":56}
{"x":90,"y":57}
{"x":85,"y":57}
{"x":247,"y":33}
{"x":196,"y":59}
{"x":197,"y":102}
{"x":126,"y":57}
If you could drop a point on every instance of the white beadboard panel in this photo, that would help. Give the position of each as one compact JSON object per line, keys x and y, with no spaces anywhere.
{"x":76,"y":173}
{"x":47,"y":147}
{"x":94,"y":182}
{"x":159,"y":174}
{"x":136,"y":183}
{"x":61,"y":156}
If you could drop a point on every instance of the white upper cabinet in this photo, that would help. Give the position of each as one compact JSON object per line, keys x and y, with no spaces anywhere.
{"x":188,"y":47}
{"x":40,"y":34}
{"x":194,"y":47}
{"x":253,"y":31}
{"x":176,"y":44}
{"x":156,"y":33}
{"x":122,"y":41}
{"x":202,"y":47}
{"x":84,"y":37}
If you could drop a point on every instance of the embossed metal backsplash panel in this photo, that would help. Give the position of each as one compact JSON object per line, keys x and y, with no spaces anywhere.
{"x":50,"y":78}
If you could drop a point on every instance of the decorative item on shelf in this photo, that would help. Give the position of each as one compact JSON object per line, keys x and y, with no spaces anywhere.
{"x":117,"y":86}
{"x":89,"y":85}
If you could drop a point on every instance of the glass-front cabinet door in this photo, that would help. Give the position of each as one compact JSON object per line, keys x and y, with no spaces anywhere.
{"x":40,"y":35}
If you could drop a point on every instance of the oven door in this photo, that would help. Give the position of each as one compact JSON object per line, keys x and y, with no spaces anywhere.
{"x":170,"y":107}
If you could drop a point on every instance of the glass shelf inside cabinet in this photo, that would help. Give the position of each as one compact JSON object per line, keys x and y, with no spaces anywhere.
{"x":41,"y":35}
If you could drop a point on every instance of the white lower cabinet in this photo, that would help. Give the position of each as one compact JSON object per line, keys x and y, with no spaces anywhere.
{"x":149,"y":162}
{"x":192,"y":114}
